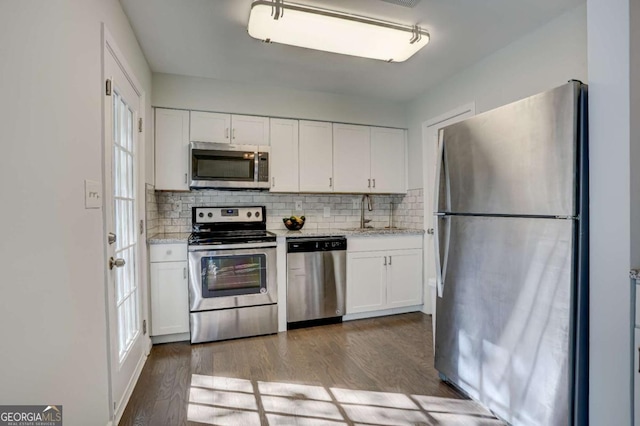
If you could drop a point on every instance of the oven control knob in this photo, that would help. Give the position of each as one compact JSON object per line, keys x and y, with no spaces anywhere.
{"x":201,"y":214}
{"x":257,"y":214}
{"x":210,"y":215}
{"x":248,"y":214}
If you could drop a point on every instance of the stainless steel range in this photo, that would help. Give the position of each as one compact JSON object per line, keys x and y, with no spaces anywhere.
{"x":232,"y":274}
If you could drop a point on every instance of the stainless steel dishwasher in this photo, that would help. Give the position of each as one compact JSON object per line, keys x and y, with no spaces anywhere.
{"x":316,"y":280}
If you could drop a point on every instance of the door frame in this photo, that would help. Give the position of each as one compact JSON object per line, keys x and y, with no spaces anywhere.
{"x":428,"y":167}
{"x":110,"y":47}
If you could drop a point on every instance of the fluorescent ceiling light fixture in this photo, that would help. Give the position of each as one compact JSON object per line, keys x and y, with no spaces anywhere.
{"x":305,"y":26}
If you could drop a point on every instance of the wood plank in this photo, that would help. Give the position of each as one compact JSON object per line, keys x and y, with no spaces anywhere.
{"x":341,"y":373}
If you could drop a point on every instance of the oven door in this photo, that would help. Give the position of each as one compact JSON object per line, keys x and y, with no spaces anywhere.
{"x":230,"y":278}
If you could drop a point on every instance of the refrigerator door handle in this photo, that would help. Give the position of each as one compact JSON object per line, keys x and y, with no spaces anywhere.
{"x":441,"y":255}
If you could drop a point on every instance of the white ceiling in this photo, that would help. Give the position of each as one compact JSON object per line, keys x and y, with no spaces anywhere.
{"x":208,"y":38}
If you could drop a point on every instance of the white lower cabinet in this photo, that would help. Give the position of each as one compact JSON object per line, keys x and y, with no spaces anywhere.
{"x":384,"y":279}
{"x":169,"y":289}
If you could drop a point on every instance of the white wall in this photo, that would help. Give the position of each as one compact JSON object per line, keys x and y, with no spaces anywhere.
{"x":52,"y":291}
{"x":614,"y":195}
{"x":546,"y":58}
{"x":174,"y":91}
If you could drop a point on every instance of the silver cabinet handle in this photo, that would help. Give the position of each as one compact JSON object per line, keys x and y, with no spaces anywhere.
{"x":184,"y":273}
{"x":330,"y":182}
{"x":369,"y":184}
{"x":273,"y":182}
{"x":118,"y":263}
{"x":374,"y":183}
{"x":185,"y":178}
{"x":234,"y":134}
{"x":390,"y":257}
{"x":385,"y":261}
{"x":226,"y":133}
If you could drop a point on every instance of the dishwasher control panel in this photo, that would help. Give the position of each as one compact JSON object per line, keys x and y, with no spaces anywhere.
{"x":303,"y":245}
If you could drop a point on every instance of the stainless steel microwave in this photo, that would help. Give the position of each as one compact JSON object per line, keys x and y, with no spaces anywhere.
{"x":220,"y":165}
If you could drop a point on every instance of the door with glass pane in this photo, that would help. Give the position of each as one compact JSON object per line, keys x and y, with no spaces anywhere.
{"x":121,"y":158}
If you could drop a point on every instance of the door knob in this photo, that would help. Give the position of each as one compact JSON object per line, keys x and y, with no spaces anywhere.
{"x":118,"y":263}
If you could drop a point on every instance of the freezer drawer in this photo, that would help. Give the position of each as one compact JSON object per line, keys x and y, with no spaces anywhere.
{"x":520,"y":159}
{"x":505,"y":315}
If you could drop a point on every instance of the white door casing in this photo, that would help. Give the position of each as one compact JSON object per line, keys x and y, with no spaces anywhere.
{"x":123,"y":206}
{"x":430,"y":130}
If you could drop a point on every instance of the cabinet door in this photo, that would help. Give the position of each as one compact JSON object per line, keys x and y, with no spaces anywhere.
{"x":351,"y":158}
{"x":404,"y":285}
{"x":366,"y":282}
{"x":172,"y":149}
{"x":388,"y":160}
{"x":210,"y":127}
{"x":284,"y":155}
{"x":249,"y":130}
{"x":169,"y":298}
{"x":316,"y":157}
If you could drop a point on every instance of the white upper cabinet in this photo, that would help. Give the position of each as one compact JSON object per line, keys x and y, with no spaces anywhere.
{"x":351,"y":157}
{"x":388,"y":160}
{"x":210,"y":127}
{"x":227,"y":128}
{"x":249,"y":130}
{"x":172,"y":149}
{"x":316,"y":156}
{"x":284,"y":155}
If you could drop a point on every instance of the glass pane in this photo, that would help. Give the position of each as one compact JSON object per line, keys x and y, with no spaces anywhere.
{"x":130,"y":133}
{"x":126,"y":290}
{"x":233,"y":272}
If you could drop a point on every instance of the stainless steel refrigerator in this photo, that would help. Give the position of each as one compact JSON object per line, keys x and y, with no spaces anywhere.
{"x":512,"y":258}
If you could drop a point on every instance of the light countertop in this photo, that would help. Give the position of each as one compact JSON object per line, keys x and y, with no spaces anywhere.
{"x":182,"y":237}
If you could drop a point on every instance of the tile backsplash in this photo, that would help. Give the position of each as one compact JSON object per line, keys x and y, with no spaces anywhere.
{"x":171,"y":211}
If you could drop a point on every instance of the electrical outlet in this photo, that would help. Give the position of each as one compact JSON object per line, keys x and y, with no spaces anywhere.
{"x":327,"y":212}
{"x":298,"y":205}
{"x":356,"y":203}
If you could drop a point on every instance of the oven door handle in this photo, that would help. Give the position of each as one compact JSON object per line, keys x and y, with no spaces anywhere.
{"x":210,"y":247}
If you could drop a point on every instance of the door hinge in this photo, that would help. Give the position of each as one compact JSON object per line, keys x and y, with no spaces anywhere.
{"x":108,"y":87}
{"x":140,"y":125}
{"x":141,"y":226}
{"x":144,"y":327}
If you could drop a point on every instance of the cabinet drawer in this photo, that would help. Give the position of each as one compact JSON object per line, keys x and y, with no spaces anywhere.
{"x":168,"y":252}
{"x":391,"y":242}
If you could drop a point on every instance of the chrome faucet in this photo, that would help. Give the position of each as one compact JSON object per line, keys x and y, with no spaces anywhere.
{"x":364,"y":221}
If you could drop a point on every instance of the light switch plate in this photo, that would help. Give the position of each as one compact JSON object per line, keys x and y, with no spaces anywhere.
{"x":92,"y":194}
{"x":298,"y":205}
{"x":327,"y":212}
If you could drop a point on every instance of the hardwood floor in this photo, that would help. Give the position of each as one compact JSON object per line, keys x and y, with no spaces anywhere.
{"x":373,"y":371}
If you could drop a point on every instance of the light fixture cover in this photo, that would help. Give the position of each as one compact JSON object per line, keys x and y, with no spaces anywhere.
{"x":330,"y":31}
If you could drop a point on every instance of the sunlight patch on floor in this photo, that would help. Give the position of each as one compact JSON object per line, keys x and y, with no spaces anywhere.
{"x":232,"y":401}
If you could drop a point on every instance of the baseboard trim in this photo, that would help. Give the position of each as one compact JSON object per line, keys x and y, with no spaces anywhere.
{"x":170,"y":338}
{"x":382,"y":313}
